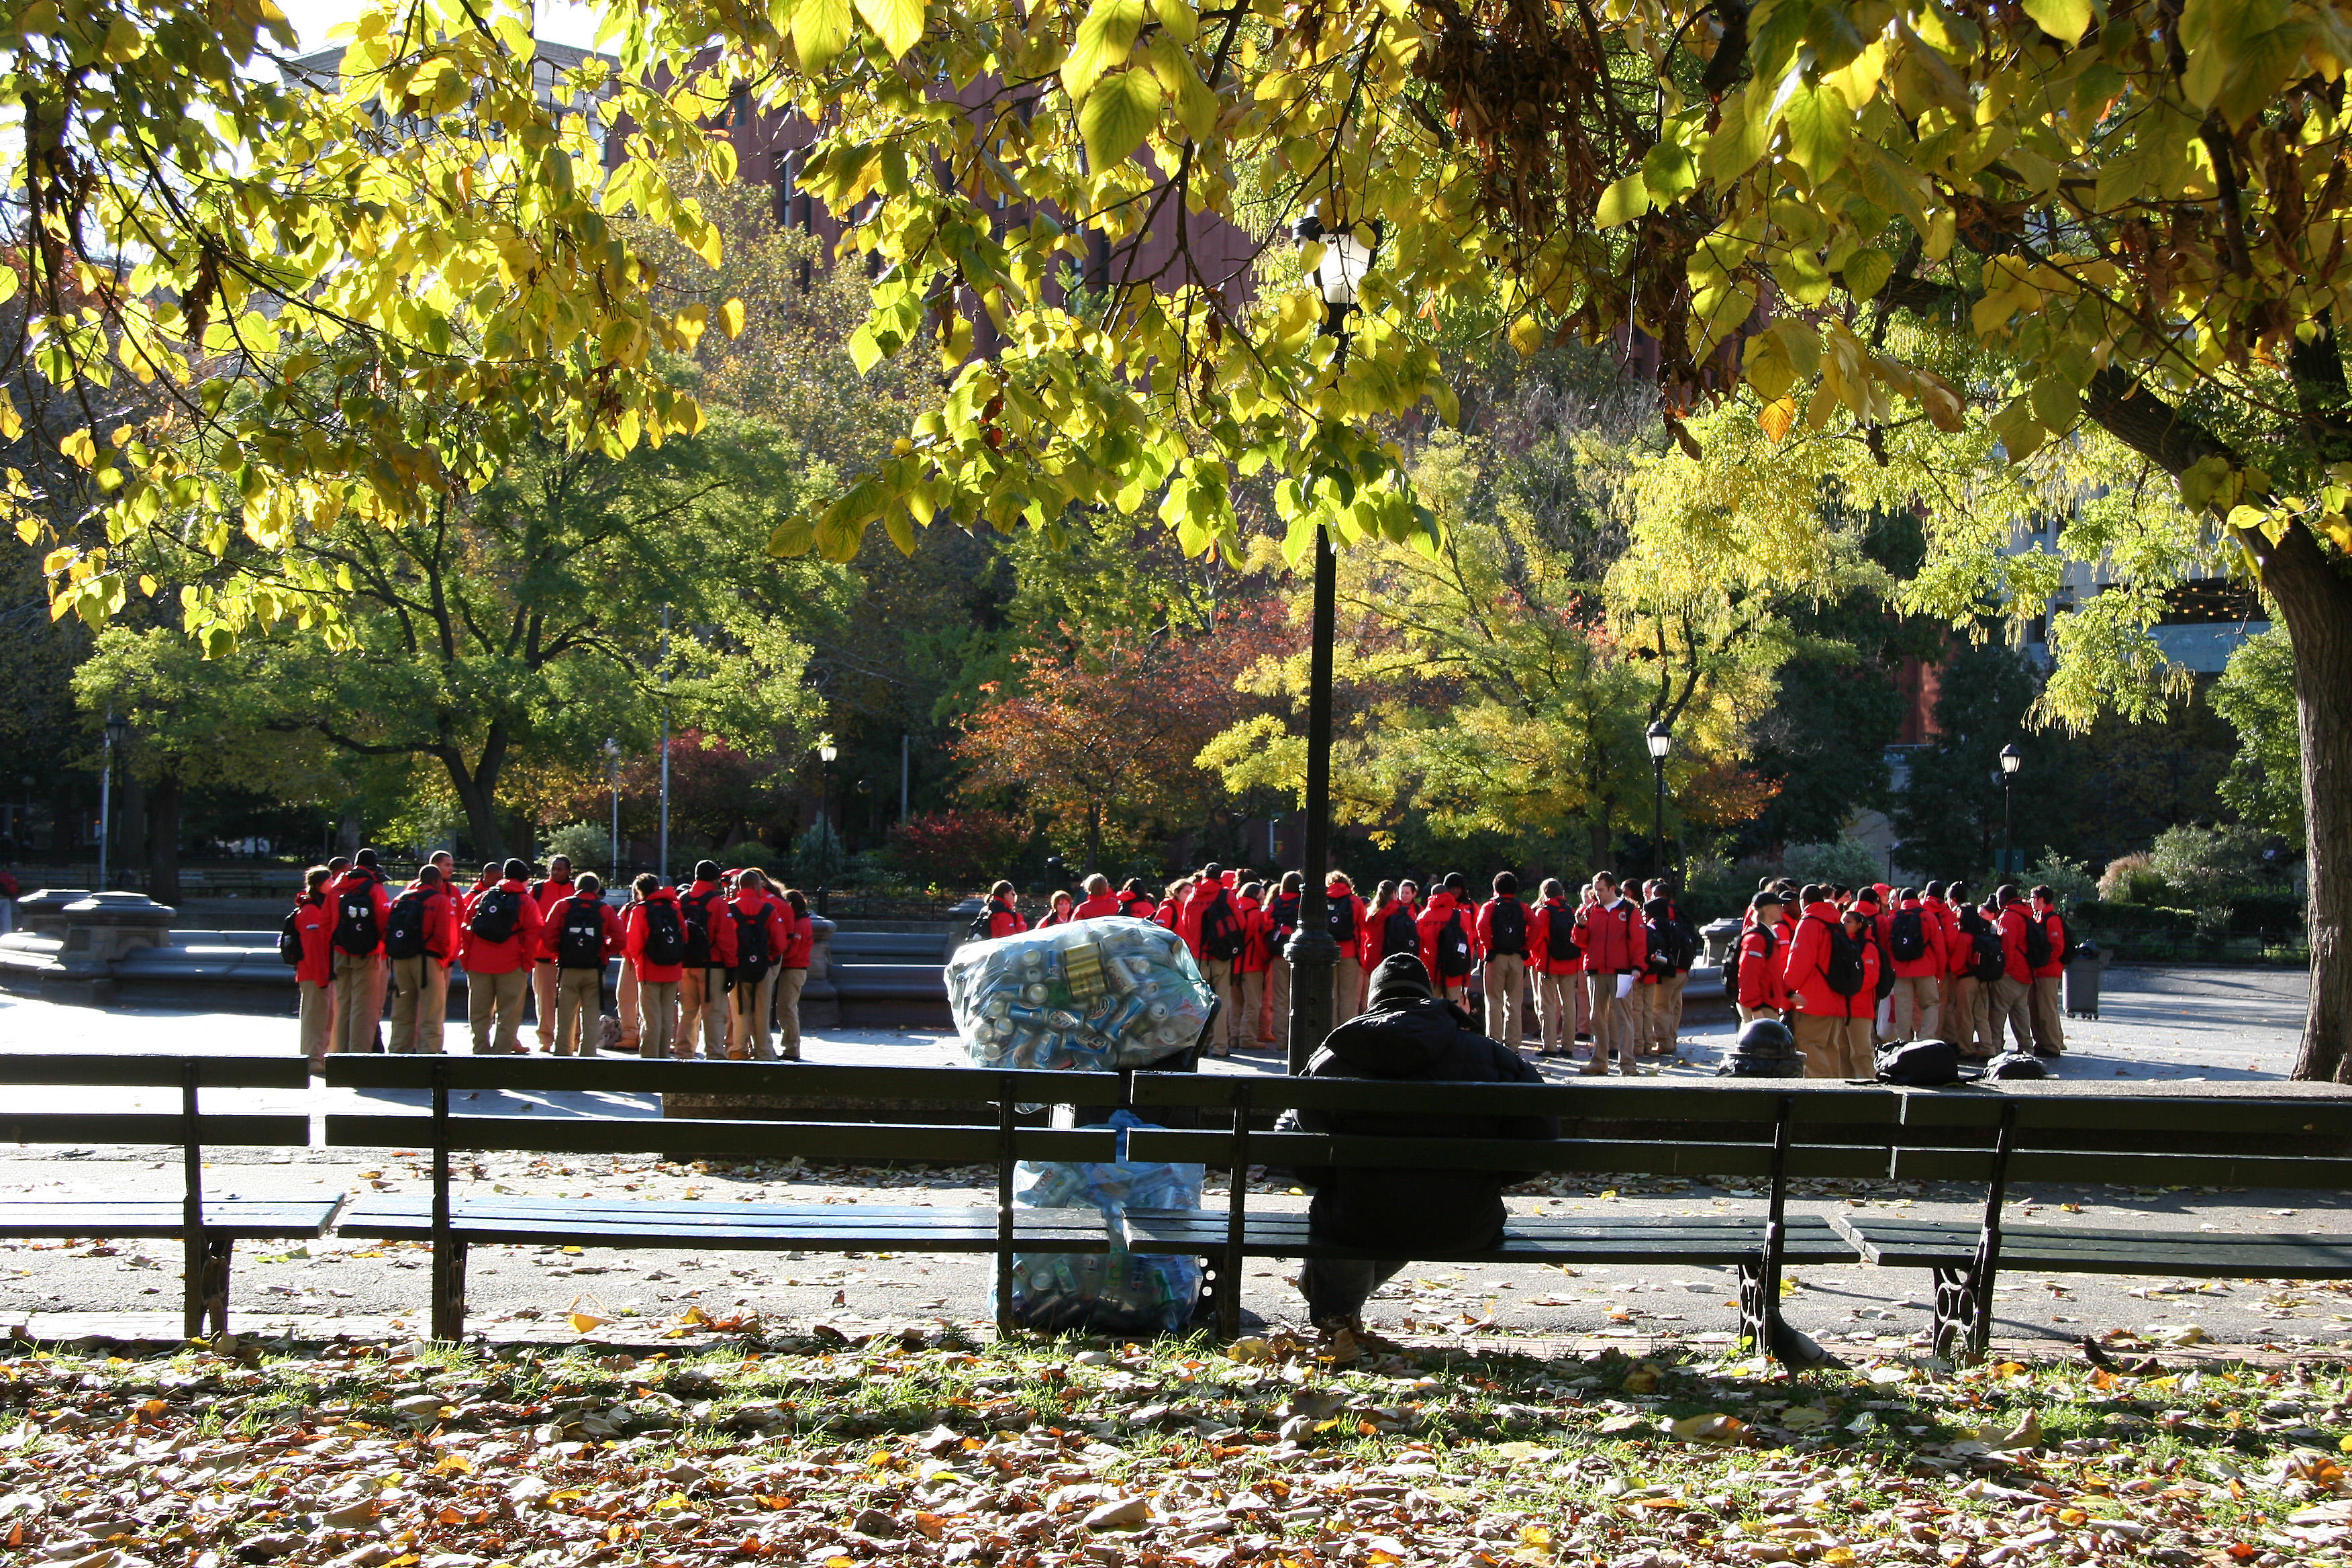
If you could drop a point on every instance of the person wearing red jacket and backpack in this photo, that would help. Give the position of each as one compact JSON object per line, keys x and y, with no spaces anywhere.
{"x":759,"y":937}
{"x":313,"y":926}
{"x":547,"y":892}
{"x":363,"y":906}
{"x":1616,"y":950}
{"x":653,"y":944}
{"x":1832,"y":1023}
{"x":1449,"y":944}
{"x":1210,"y":924}
{"x":420,"y":939}
{"x":1961,"y":1016}
{"x":2009,"y":1000}
{"x":702,"y":990}
{"x":1501,"y":939}
{"x":1099,"y":900}
{"x":1556,"y":961}
{"x":791,"y":969}
{"x":1915,"y":943}
{"x":1249,"y":969}
{"x":498,"y":946}
{"x":1344,"y":920}
{"x":1281,"y":925}
{"x":580,"y":933}
{"x":1134,"y":902}
{"x":1004,"y":918}
{"x":1763,"y":948}
{"x":2049,"y":1009}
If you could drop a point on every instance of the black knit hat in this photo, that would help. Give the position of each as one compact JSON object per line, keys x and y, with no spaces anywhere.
{"x":1399,"y":978}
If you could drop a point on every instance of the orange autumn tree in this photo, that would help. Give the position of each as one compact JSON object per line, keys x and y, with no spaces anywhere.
{"x":1108,"y":728}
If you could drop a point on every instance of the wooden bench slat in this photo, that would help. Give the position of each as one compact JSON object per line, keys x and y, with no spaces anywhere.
{"x":1952,"y":1244}
{"x":1605,"y":1100}
{"x":956,"y":1143}
{"x":1588,"y":1156}
{"x":86,"y":1069}
{"x":2044,"y":1114}
{"x":2105,"y":1167}
{"x":240,"y":1218}
{"x":547,"y":1075}
{"x":153,"y":1126}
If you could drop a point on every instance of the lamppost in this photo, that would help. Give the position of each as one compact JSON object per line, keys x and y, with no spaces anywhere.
{"x":825,"y":751}
{"x":116,"y":728}
{"x":1661,"y":741}
{"x":613,"y":777}
{"x":663,"y":854}
{"x":2011,"y":759}
{"x":1314,"y":955}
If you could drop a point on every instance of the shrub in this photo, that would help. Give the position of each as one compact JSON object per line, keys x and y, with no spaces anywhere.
{"x":957,"y":849}
{"x":2104,"y":916}
{"x":818,"y":858}
{"x":2128,"y":880}
{"x":2202,"y":864}
{"x":2072,"y":884}
{"x":587,"y":844}
{"x":1847,"y":861}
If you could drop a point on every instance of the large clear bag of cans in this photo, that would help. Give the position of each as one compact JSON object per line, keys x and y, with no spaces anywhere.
{"x":1115,"y":1291}
{"x":1096,"y":995}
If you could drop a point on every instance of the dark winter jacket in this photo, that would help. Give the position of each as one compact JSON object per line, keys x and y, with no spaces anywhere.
{"x":1408,"y":1213}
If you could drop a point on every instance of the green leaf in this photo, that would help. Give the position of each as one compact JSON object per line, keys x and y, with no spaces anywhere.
{"x":1179,"y":19}
{"x":1669,"y":172}
{"x":864,"y":352}
{"x":1103,"y":41}
{"x":792,"y":540}
{"x":1117,"y":115}
{"x":2055,"y":403}
{"x":2065,"y":20}
{"x":820,"y":32}
{"x":1622,"y":202}
{"x":1866,"y":272}
{"x":897,"y":23}
{"x":1820,"y":125}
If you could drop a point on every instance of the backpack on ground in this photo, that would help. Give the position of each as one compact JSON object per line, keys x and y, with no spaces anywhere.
{"x":289,"y":937}
{"x":1508,"y":922}
{"x":664,"y":942}
{"x":1453,"y":947}
{"x":495,"y":915}
{"x":580,"y":941}
{"x":695,"y":914}
{"x":1906,"y":936}
{"x":1842,"y":971}
{"x":1339,"y":918}
{"x":1560,"y":930}
{"x":1221,"y":936}
{"x":1398,"y":934}
{"x":2037,"y":942}
{"x":355,"y":924}
{"x":404,"y":928}
{"x":752,"y":954}
{"x":1919,"y":1064}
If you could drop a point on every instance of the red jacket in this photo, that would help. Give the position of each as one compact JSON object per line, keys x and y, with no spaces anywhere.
{"x":1932,"y":961}
{"x":1003,"y":919}
{"x":550,"y":932}
{"x":709,"y":898}
{"x":2056,"y":927}
{"x":751,"y":907}
{"x":1958,"y":954}
{"x":1334,"y":897}
{"x":2012,"y":922}
{"x":636,"y":926}
{"x":1059,"y":915}
{"x":1481,"y":936}
{"x":1763,"y":954}
{"x":1442,"y":905}
{"x":1136,"y":907}
{"x":1093,"y":906}
{"x":358,"y":880}
{"x":1613,"y":940}
{"x":799,"y":936}
{"x":481,"y":957}
{"x":440,"y":920}
{"x":1372,"y":945}
{"x":1257,"y":938}
{"x":1196,"y":904}
{"x":314,"y":922}
{"x":1539,"y":953}
{"x":1805,"y":970}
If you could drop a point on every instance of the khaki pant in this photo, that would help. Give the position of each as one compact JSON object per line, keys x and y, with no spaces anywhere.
{"x":702,"y":1013}
{"x":625,"y":1002}
{"x":658,"y":1002}
{"x":420,"y":1005}
{"x":788,"y":1010}
{"x":1834,"y":1047}
{"x":2006,"y":1002}
{"x":2048,"y":1012}
{"x":1749,"y":1015}
{"x":579,"y":1009}
{"x":1557,"y":996}
{"x":1253,"y":989}
{"x":359,"y":1000}
{"x":496,"y":997}
{"x":542,"y":996}
{"x":750,"y":1004}
{"x":317,"y":1016}
{"x":1277,"y":1000}
{"x":1666,"y":1012}
{"x":1613,"y":1025}
{"x":1347,"y":989}
{"x":1507,"y":995}
{"x":1915,"y":1016}
{"x":1957,"y":1015}
{"x":1218,"y":973}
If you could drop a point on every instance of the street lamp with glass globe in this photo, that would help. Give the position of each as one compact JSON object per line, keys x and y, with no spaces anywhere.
{"x":1338,"y":275}
{"x":117,"y":727}
{"x":825,"y":752}
{"x":2011,"y":759}
{"x":613,"y":777}
{"x":1660,"y":740}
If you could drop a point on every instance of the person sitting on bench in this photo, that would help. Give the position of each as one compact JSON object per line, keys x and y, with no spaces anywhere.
{"x":1407,"y":1034}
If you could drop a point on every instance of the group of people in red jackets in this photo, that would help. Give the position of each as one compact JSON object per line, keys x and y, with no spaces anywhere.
{"x":1605,"y":970}
{"x":1851,"y":968}
{"x":721,"y":963}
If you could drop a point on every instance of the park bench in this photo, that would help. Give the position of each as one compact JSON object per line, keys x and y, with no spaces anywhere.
{"x":208,"y":1229}
{"x":2049,"y":1132}
{"x":453,"y":1221}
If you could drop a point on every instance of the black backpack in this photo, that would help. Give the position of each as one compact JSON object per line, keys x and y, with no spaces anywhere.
{"x":1991,"y":962}
{"x":1687,"y":942}
{"x":1397,"y":937}
{"x":355,"y":928}
{"x":752,"y":954}
{"x":1906,"y":936}
{"x":404,"y":929}
{"x":1339,"y":918}
{"x":2037,"y":942}
{"x":289,"y":937}
{"x":1562,"y":931}
{"x":1453,"y":947}
{"x":695,"y":910}
{"x":1221,"y":936}
{"x":495,"y":915}
{"x":579,"y":942}
{"x":666,"y":933}
{"x":1508,"y":923}
{"x":1283,"y":912}
{"x":1844,"y":973}
{"x":1919,"y":1064}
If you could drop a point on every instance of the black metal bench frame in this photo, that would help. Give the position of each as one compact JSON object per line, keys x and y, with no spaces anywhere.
{"x":209,"y":1234}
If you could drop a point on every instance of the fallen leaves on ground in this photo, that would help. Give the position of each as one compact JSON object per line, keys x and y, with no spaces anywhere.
{"x":837,"y":1449}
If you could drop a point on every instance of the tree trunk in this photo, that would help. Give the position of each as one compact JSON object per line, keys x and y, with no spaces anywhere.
{"x":2315,"y":600}
{"x":164,"y":839}
{"x":1093,"y":835}
{"x":483,"y":827}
